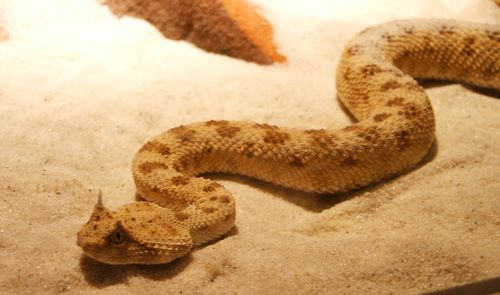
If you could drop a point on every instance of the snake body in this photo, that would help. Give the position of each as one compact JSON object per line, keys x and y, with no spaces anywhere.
{"x":395,"y":130}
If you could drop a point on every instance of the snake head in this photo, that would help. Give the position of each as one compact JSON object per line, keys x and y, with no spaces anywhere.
{"x":136,"y":233}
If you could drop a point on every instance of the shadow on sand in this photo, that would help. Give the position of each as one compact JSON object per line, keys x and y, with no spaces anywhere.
{"x":101,"y":275}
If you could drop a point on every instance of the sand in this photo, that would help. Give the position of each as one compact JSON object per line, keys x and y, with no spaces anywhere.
{"x":81,"y":90}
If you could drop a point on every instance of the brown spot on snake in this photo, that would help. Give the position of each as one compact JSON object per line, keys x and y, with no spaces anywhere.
{"x":353,"y":50}
{"x":393,"y":84}
{"x":275,"y":136}
{"x":396,"y":101}
{"x":227,"y":131}
{"x":493,"y":36}
{"x":224,"y":199}
{"x":446,"y":31}
{"x":370,"y":70}
{"x":181,"y":216}
{"x":211,"y":187}
{"x":371,"y":133}
{"x":148,"y":167}
{"x":409,"y":111}
{"x":349,"y":161}
{"x":220,"y":123}
{"x":319,"y":138}
{"x":297,"y":161}
{"x":158,"y":147}
{"x":468,"y":45}
{"x":208,"y":209}
{"x":403,"y":139}
{"x":183,"y":133}
{"x":409,"y":31}
{"x":180,"y":180}
{"x":381,"y":117}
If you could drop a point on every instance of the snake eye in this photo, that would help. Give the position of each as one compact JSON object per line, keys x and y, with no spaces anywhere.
{"x":118,"y":237}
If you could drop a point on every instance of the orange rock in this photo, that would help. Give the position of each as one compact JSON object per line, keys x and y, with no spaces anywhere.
{"x":230,"y":27}
{"x":4,"y":34}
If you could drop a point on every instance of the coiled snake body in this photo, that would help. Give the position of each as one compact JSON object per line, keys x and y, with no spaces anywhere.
{"x":395,"y":130}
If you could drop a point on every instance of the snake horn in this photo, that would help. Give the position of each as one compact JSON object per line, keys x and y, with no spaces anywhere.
{"x":99,"y":200}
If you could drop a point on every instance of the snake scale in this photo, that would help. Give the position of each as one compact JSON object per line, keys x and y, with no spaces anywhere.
{"x":394,"y":131}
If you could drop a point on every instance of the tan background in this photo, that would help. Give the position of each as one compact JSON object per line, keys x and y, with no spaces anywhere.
{"x":80,"y":91}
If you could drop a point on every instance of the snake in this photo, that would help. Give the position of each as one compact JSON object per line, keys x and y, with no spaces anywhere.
{"x":393,"y":131}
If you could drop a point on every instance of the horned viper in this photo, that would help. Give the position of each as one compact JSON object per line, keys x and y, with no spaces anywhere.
{"x":395,"y":130}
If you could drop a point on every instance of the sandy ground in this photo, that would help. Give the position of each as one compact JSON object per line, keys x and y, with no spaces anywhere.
{"x":80,"y":91}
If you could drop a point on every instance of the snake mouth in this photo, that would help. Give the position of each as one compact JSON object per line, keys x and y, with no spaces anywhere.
{"x":117,"y":256}
{"x":125,"y":259}
{"x":99,"y":253}
{"x":108,"y":258}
